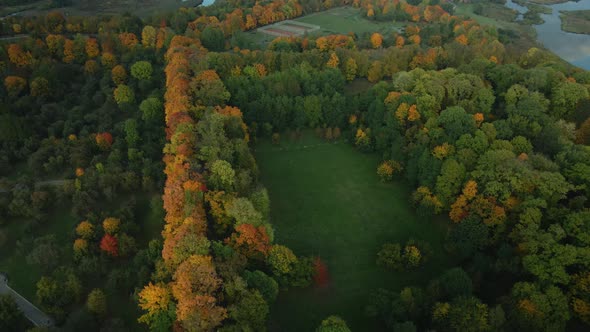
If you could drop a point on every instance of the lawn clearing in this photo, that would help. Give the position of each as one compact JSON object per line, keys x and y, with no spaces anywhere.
{"x":340,"y":20}
{"x":343,"y":20}
{"x":327,"y":201}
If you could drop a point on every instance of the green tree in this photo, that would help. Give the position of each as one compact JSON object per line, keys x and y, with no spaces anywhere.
{"x":565,"y":97}
{"x":468,"y":314}
{"x":151,"y":109}
{"x":537,"y":308}
{"x":10,"y":315}
{"x":455,"y":282}
{"x":213,"y":39}
{"x":123,"y":94}
{"x":250,"y":311}
{"x":142,"y":70}
{"x":131,"y":132}
{"x":266,"y":285}
{"x":333,"y":324}
{"x":222,"y":175}
{"x":97,"y":302}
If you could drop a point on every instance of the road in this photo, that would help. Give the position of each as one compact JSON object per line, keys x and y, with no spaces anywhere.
{"x":36,"y":316}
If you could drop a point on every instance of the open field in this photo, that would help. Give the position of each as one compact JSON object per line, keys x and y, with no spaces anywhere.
{"x":341,"y":20}
{"x":327,"y":201}
{"x":288,"y":29}
{"x":577,"y":21}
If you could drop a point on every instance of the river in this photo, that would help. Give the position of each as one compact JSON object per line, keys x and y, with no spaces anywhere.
{"x":572,"y":47}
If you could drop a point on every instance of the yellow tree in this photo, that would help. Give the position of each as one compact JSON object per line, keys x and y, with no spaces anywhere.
{"x":334,"y":61}
{"x":376,"y":40}
{"x":351,"y":69}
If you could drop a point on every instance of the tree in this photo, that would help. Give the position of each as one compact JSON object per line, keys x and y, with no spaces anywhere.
{"x":376,"y":40}
{"x":123,"y":94}
{"x":10,"y":314}
{"x":468,"y":314}
{"x":119,"y":74}
{"x":213,"y":39}
{"x":92,"y":50}
{"x":281,"y":259}
{"x":19,"y":57}
{"x":565,"y":97}
{"x":148,"y":36}
{"x":390,"y":256}
{"x":109,"y":244}
{"x":537,"y":308}
{"x":39,"y":87}
{"x":14,"y":85}
{"x":267,"y":286}
{"x":111,"y":225}
{"x":351,"y":69}
{"x":222,"y":175}
{"x":142,"y":70}
{"x":333,"y":61}
{"x":97,"y":302}
{"x":250,"y":311}
{"x":151,"y":109}
{"x":156,"y":300}
{"x":104,"y":140}
{"x":45,"y":252}
{"x":333,"y":324}
{"x":251,"y":241}
{"x":455,"y":282}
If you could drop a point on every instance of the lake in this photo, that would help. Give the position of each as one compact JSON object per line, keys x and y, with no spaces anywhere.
{"x":572,"y":47}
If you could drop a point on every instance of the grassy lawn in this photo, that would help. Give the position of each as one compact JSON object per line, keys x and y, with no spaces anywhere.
{"x":327,"y":201}
{"x":341,"y":20}
{"x":577,"y":21}
{"x":22,"y":276}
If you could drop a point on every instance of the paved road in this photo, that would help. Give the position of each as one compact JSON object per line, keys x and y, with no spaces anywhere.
{"x":32,"y":313}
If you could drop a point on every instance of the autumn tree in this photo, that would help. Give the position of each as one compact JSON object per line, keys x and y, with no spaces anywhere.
{"x":92,"y":48}
{"x":104,"y":140}
{"x":18,"y":56}
{"x":111,"y":225}
{"x":119,"y":74}
{"x":109,"y":244}
{"x":156,"y":300}
{"x":14,"y":85}
{"x":148,"y":36}
{"x":351,"y":69}
{"x":376,"y":40}
{"x":333,"y":61}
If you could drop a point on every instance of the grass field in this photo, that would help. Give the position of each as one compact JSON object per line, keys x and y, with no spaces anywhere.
{"x":577,"y":21}
{"x":327,"y":201}
{"x":341,"y":20}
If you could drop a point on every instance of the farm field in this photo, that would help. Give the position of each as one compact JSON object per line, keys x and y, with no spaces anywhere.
{"x":327,"y":201}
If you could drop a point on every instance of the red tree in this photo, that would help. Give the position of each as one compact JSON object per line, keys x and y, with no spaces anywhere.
{"x":110,"y":245}
{"x":321,"y":275}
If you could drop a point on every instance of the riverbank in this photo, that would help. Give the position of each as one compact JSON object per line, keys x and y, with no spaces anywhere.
{"x":576,"y":21}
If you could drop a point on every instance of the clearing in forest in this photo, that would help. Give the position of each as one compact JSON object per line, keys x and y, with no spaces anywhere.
{"x":327,"y":201}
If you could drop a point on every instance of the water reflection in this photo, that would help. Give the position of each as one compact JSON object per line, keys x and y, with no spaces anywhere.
{"x":572,"y":47}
